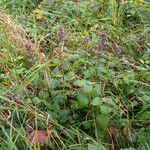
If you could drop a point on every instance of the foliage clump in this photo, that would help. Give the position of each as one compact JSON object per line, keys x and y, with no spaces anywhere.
{"x":74,"y":75}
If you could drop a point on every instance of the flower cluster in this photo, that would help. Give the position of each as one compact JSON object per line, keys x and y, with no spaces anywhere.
{"x":103,"y":37}
{"x":115,"y":46}
{"x":61,"y":33}
{"x":13,"y":97}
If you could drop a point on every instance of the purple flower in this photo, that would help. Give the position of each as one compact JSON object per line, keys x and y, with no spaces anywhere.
{"x":28,"y":47}
{"x":104,"y":43}
{"x":103,"y":34}
{"x":116,"y":47}
{"x":95,"y":48}
{"x":14,"y":97}
{"x":11,"y":97}
{"x":61,"y":33}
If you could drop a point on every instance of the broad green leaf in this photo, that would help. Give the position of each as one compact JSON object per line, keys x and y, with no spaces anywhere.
{"x":108,"y":101}
{"x":56,"y":61}
{"x":102,"y":122}
{"x":54,"y":83}
{"x":82,"y":100}
{"x":105,"y":109}
{"x":87,"y":89}
{"x":96,"y":101}
{"x":87,"y":124}
{"x":69,"y":76}
{"x":43,"y":95}
{"x":96,"y":147}
{"x":64,"y":115}
{"x":36,"y":100}
{"x":80,"y":83}
{"x":98,"y":89}
{"x":130,"y":148}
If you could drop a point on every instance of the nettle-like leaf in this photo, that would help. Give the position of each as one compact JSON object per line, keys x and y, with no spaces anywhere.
{"x":130,"y":148}
{"x":129,"y":78}
{"x":102,"y":122}
{"x":87,"y":124}
{"x":36,"y":100}
{"x":96,"y":101}
{"x":80,"y":83}
{"x":105,"y":109}
{"x":83,"y":100}
{"x":64,"y":115}
{"x":69,"y":76}
{"x":108,"y":101}
{"x":96,"y":147}
{"x":54,"y":83}
{"x":43,"y":95}
{"x":88,"y":89}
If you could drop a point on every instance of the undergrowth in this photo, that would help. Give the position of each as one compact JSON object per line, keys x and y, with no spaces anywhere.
{"x":74,"y":75}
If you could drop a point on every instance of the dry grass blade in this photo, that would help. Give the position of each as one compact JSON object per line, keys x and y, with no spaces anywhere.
{"x":17,"y":36}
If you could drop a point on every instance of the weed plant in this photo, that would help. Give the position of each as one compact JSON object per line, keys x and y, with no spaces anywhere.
{"x":74,"y":75}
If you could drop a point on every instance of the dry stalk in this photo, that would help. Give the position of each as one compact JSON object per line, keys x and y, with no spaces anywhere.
{"x":17,"y":36}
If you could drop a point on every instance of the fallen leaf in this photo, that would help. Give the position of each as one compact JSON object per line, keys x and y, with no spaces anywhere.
{"x":38,"y":136}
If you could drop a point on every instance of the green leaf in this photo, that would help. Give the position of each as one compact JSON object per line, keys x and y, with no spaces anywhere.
{"x":96,"y":101}
{"x":108,"y":101}
{"x":82,"y":100}
{"x":96,"y":147}
{"x":130,"y":148}
{"x":36,"y":100}
{"x":79,"y":62}
{"x":98,"y":89}
{"x":87,"y":124}
{"x":80,"y":83}
{"x":102,"y":122}
{"x":43,"y":95}
{"x":105,"y":109}
{"x":64,"y":115}
{"x":69,"y":76}
{"x":56,"y":61}
{"x":54,"y":83}
{"x":28,"y":101}
{"x":87,"y":89}
{"x":73,"y":56}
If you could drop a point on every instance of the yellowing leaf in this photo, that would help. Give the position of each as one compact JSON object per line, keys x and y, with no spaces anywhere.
{"x":39,"y":14}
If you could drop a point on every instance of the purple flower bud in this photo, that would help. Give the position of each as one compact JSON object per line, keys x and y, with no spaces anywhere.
{"x":104,"y":43}
{"x":62,"y":30}
{"x":102,"y":34}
